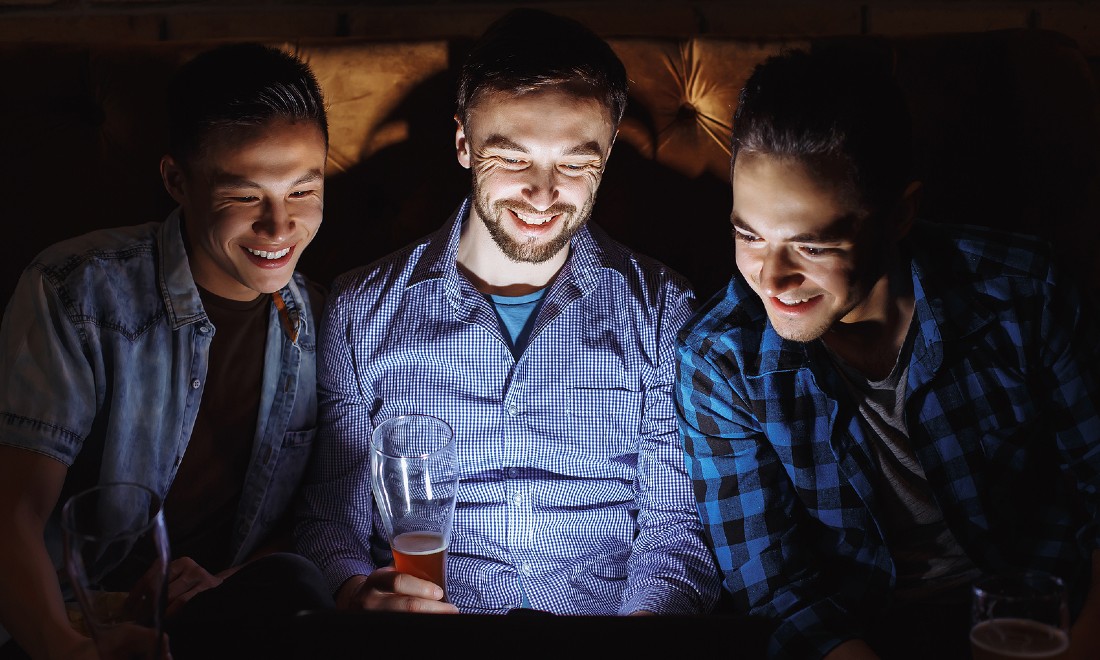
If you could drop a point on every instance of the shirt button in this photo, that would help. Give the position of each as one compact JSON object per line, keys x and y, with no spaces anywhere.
{"x":525,"y":568}
{"x":513,"y":472}
{"x":517,"y":499}
{"x":513,"y":410}
{"x":204,"y":329}
{"x":195,"y":384}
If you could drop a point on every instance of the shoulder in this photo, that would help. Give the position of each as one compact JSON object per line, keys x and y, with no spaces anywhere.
{"x":731,"y":321}
{"x":107,"y":267}
{"x":648,"y":279}
{"x":386,"y":276}
{"x":115,"y":245}
{"x":983,"y":253}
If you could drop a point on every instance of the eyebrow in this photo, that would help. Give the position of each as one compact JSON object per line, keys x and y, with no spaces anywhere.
{"x":498,"y":141}
{"x":839,"y":230}
{"x":227,"y":180}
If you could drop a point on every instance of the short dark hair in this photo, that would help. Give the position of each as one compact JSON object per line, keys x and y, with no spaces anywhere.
{"x":834,"y":106}
{"x":529,"y":49}
{"x":237,"y":86}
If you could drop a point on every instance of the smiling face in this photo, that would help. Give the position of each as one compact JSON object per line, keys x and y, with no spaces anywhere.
{"x":537,"y":160}
{"x":251,"y":205}
{"x":814,"y":258}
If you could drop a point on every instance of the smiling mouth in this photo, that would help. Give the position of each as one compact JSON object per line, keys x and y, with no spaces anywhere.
{"x":793,"y":302}
{"x":534,"y":219}
{"x":795,"y":306}
{"x":264,"y":254}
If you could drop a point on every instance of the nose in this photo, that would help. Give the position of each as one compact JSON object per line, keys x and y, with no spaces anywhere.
{"x":540,"y":190}
{"x":778,"y":271}
{"x":274,"y":221}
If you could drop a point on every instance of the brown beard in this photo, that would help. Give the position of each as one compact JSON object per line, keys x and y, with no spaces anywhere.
{"x":530,"y":251}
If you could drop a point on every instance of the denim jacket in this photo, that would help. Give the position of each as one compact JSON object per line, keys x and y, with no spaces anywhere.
{"x":103,"y":352}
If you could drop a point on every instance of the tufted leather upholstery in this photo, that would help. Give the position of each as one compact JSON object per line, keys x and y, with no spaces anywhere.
{"x":1008,"y":134}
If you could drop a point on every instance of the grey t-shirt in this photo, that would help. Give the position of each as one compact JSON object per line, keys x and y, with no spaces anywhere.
{"x":927,"y":556}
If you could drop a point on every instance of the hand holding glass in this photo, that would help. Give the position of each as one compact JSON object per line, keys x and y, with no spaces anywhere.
{"x":414,"y":478}
{"x":116,"y":558}
{"x":1019,"y":615}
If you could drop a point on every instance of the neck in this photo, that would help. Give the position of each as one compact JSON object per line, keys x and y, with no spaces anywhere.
{"x":872,"y":342}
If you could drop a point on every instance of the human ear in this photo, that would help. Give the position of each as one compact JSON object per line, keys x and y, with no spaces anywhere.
{"x":172,"y":176}
{"x":462,"y":145}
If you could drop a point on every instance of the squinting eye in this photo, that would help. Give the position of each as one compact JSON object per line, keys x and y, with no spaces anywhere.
{"x":747,"y":238}
{"x":814,"y":251}
{"x":245,"y":200}
{"x":300,"y":193}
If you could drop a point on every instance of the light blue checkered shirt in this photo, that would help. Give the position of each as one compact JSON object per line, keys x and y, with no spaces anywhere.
{"x":573,"y":472}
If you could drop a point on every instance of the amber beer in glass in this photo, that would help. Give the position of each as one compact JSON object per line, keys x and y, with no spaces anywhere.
{"x":414,"y":481}
{"x":1019,"y":615}
{"x":423,"y":554}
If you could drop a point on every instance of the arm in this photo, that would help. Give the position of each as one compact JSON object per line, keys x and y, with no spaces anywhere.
{"x":1072,"y":367}
{"x":31,"y":606}
{"x":754,"y":518}
{"x":671,"y":569}
{"x":335,"y":520}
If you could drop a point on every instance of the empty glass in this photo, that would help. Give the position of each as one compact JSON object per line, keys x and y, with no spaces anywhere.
{"x":116,"y":558}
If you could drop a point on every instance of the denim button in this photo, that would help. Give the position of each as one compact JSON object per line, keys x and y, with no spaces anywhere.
{"x":195,"y":384}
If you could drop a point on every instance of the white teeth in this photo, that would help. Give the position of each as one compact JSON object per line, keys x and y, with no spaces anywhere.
{"x":793,"y":302}
{"x":264,"y":254}
{"x":533,"y":220}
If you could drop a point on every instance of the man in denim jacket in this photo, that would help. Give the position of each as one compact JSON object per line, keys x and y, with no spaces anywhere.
{"x":179,"y":355}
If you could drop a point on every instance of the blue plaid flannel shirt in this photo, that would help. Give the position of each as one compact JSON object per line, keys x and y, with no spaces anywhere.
{"x":1002,"y":402}
{"x":573,"y":490}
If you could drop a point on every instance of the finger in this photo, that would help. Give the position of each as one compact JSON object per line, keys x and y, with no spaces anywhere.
{"x":412,"y":604}
{"x":410,"y":585}
{"x":176,"y":603}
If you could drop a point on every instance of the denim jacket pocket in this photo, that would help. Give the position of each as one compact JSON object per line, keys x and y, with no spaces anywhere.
{"x":287,"y":473}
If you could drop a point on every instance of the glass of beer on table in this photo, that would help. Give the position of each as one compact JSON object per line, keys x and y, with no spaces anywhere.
{"x":1019,"y":615}
{"x":414,"y":478}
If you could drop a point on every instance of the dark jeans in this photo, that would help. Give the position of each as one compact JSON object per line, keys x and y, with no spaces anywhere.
{"x":239,"y":617}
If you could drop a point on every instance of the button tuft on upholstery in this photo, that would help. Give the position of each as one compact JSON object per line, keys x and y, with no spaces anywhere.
{"x":687,"y":112}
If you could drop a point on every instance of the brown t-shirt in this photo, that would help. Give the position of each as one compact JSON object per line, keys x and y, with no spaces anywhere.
{"x":201,"y":505}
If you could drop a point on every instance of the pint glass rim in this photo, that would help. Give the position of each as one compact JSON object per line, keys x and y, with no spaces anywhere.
{"x":393,"y":421}
{"x":156,"y":511}
{"x":988,"y":583}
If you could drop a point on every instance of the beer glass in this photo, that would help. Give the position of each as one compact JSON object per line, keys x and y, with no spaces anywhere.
{"x":116,"y":559}
{"x":414,"y":478}
{"x":1019,"y":615}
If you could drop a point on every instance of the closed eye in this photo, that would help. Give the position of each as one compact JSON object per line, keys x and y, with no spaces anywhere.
{"x":744,"y":236}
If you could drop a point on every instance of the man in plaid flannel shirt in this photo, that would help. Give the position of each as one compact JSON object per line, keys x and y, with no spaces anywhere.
{"x":879,"y":409}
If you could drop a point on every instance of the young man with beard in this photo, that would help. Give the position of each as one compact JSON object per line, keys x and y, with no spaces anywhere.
{"x":879,"y":409}
{"x":178,"y":355}
{"x":547,"y":347}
